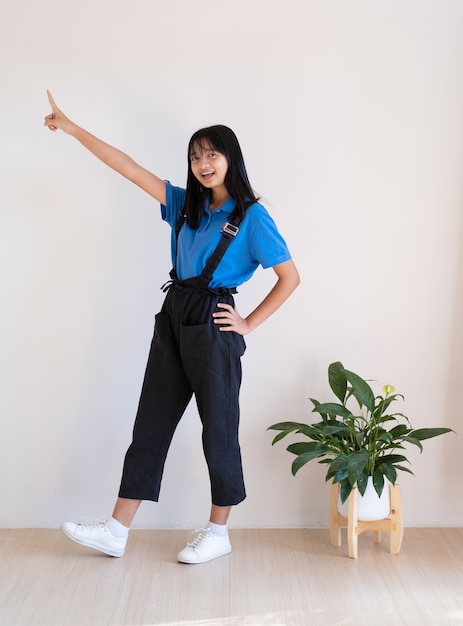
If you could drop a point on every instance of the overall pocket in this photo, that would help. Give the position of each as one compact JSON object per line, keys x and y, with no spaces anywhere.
{"x":206,"y":342}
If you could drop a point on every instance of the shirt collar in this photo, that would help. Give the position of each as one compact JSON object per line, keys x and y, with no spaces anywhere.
{"x":227,"y":207}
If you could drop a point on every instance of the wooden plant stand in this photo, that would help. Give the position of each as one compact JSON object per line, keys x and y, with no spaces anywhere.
{"x":392,"y":524}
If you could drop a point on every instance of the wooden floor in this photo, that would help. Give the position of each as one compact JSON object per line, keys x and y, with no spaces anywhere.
{"x":272,"y":578}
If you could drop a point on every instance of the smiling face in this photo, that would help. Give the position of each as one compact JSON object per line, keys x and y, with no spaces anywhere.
{"x":208,"y":166}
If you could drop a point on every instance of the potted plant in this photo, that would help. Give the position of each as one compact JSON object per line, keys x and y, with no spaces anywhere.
{"x":360,"y":445}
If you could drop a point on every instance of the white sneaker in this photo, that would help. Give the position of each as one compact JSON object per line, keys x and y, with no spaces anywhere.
{"x":95,"y":536}
{"x":205,"y":547}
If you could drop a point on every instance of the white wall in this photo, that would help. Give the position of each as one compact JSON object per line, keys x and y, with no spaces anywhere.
{"x":350,"y":117}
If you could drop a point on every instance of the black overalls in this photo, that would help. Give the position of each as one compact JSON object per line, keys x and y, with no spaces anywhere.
{"x":190,"y":355}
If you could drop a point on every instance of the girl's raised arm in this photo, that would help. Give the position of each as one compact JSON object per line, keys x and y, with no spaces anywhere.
{"x":114,"y":158}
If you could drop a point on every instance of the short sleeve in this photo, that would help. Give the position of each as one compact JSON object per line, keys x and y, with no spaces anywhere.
{"x":175,"y":199}
{"x":267,"y":246}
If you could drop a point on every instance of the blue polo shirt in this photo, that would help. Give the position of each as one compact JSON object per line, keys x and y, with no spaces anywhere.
{"x":258,"y":241}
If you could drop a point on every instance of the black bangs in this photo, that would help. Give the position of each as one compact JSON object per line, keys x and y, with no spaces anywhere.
{"x":210,"y":138}
{"x":220,"y":139}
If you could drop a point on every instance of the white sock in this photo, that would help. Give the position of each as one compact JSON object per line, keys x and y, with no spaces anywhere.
{"x":218,"y":529}
{"x":116,"y":528}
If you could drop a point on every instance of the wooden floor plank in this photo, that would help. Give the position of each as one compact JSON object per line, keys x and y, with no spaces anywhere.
{"x":273,"y":577}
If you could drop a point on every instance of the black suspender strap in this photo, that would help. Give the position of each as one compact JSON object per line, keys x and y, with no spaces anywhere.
{"x":181,"y":220}
{"x":228,"y":232}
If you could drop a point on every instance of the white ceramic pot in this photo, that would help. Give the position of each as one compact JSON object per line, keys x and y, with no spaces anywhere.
{"x":370,"y":506}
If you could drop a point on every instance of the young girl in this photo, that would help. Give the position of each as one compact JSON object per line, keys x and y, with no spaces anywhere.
{"x":220,"y":235}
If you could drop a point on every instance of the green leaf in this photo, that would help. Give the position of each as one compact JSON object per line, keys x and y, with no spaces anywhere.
{"x":360,"y":438}
{"x":361,"y":390}
{"x":337,"y":476}
{"x":362,"y":482}
{"x":316,"y":403}
{"x":428,"y":433}
{"x":340,"y":462}
{"x":293,"y":427}
{"x":399,"y":430}
{"x":378,"y":482}
{"x":402,"y":468}
{"x":332,"y":408}
{"x":392,"y":458}
{"x":389,"y":471}
{"x":385,"y":436}
{"x":385,"y":402}
{"x":307,"y":446}
{"x":341,"y":429}
{"x":304,"y":458}
{"x":287,"y":426}
{"x":413,"y":441}
{"x":337,"y":380}
{"x":278,"y":437}
{"x":385,"y":418}
{"x":356,"y":464}
{"x":345,"y":489}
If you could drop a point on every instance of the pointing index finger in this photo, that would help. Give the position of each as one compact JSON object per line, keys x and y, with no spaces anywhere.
{"x":51,"y":101}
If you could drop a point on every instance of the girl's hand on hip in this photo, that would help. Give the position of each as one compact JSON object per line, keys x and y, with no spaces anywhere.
{"x":231,"y":318}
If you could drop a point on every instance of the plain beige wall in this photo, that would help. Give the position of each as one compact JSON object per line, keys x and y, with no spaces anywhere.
{"x":349,"y":113}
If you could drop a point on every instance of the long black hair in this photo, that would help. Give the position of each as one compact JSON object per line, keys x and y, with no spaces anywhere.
{"x":220,"y":139}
